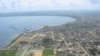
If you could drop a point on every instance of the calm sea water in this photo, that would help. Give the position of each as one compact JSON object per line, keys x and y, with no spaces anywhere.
{"x":11,"y":26}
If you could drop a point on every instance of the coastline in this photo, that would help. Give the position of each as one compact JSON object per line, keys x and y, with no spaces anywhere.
{"x":18,"y":35}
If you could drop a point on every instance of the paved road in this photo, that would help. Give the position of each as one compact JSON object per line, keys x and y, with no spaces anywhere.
{"x":77,"y":43}
{"x":93,"y":34}
{"x":52,"y":35}
{"x":63,"y":39}
{"x":28,"y":46}
{"x":86,"y":52}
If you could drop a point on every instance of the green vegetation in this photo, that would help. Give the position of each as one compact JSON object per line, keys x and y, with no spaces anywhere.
{"x":97,"y":42}
{"x":93,"y":51}
{"x":70,"y":54}
{"x":19,"y":52}
{"x":56,"y":35}
{"x":48,"y":52}
{"x":79,"y":26}
{"x":8,"y":52}
{"x":47,"y":42}
{"x":11,"y":52}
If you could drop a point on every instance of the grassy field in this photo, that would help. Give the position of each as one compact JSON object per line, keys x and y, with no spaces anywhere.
{"x":8,"y":52}
{"x":69,"y":54}
{"x":48,"y":52}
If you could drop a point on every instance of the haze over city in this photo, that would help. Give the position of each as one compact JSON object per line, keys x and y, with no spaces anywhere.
{"x":49,"y":27}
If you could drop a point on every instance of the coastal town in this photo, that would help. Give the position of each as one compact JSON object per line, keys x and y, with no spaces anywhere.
{"x":78,"y":38}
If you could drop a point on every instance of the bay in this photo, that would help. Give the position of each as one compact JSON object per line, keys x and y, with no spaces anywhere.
{"x":11,"y":26}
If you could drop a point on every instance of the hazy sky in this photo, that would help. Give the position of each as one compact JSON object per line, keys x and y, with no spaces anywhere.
{"x":33,"y":5}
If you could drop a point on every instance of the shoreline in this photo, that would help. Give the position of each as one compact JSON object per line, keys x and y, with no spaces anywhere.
{"x":18,"y":35}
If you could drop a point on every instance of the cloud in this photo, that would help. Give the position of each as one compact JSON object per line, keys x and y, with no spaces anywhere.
{"x":49,"y":4}
{"x":1,"y":5}
{"x":95,"y":1}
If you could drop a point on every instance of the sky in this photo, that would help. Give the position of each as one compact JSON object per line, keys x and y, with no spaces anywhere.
{"x":40,"y":5}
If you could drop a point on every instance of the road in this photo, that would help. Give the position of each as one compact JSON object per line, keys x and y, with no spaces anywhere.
{"x":28,"y":46}
{"x":93,"y":34}
{"x":52,"y":35}
{"x":83,"y":49}
{"x":63,"y":39}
